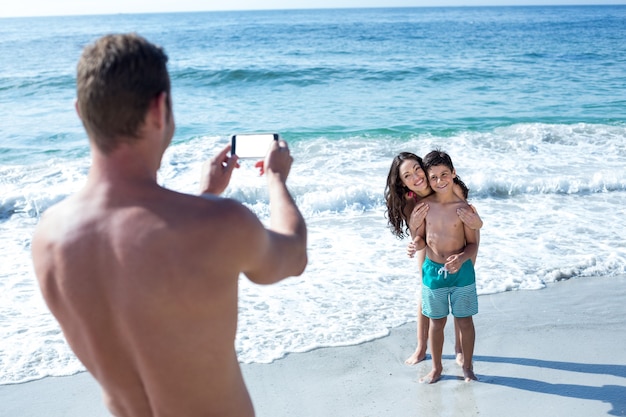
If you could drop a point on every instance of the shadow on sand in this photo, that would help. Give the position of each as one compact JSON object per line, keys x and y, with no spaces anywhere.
{"x":611,"y":394}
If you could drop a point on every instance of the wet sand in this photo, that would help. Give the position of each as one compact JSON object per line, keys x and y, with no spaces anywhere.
{"x":560,"y":351}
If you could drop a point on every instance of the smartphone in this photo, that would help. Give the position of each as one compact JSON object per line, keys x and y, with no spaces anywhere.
{"x":251,"y":145}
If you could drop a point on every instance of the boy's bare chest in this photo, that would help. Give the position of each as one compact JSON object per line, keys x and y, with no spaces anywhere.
{"x":443,"y":216}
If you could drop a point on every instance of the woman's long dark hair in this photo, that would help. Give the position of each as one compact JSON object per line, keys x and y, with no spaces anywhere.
{"x":395,"y":195}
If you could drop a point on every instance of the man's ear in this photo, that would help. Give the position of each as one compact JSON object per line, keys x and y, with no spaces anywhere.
{"x":158,"y":111}
{"x":77,"y":109}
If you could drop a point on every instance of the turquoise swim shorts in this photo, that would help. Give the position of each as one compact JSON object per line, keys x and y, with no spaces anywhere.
{"x":442,"y":289}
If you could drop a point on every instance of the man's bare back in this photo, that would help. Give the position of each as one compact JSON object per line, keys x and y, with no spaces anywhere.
{"x":143,"y":280}
{"x":143,"y":301}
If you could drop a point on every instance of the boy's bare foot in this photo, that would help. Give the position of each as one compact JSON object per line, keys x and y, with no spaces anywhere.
{"x":459,"y":359}
{"x":431,"y":378}
{"x":416,"y":357}
{"x":469,"y":375}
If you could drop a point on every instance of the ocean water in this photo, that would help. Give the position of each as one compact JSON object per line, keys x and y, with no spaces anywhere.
{"x":530,"y":102}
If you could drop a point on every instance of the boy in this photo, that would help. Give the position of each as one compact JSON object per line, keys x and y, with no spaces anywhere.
{"x":448,"y":272}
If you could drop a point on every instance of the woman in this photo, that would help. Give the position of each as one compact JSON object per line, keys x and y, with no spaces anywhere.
{"x":406,"y":186}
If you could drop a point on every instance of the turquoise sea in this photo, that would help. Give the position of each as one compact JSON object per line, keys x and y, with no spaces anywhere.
{"x":530,"y":102}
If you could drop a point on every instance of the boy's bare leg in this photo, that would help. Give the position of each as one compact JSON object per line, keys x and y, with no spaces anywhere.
{"x":458,"y":349}
{"x":422,"y":338}
{"x":468,"y":338}
{"x":436,"y":336}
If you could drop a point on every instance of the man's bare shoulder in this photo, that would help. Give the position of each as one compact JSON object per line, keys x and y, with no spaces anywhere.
{"x":78,"y":213}
{"x":212,"y":205}
{"x":213,"y":216}
{"x":57,"y":217}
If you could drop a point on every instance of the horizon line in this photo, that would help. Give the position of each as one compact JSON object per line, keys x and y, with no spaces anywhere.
{"x":81,"y":14}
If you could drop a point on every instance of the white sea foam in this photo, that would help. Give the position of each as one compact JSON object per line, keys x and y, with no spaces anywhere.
{"x":551,"y":194}
{"x":551,"y":198}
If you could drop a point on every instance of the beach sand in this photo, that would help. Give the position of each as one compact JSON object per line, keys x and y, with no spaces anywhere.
{"x":560,"y":351}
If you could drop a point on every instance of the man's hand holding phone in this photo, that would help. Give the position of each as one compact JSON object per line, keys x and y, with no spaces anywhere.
{"x":278,"y":160}
{"x":217,"y":171}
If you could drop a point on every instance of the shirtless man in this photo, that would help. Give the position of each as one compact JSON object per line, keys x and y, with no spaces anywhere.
{"x":143,"y":280}
{"x":448,"y":272}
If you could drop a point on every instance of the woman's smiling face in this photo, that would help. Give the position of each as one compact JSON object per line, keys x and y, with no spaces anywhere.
{"x":413,"y":176}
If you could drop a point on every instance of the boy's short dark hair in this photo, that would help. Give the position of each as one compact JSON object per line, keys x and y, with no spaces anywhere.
{"x":439,"y":157}
{"x":117,"y":78}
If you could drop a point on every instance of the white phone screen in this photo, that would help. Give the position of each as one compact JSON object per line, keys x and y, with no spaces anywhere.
{"x":252,"y":145}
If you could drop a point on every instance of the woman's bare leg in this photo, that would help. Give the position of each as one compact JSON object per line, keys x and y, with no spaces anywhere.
{"x":422,"y":337}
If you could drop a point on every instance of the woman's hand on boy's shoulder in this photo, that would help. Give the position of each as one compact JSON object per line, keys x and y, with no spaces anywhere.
{"x":470,"y":217}
{"x":418,"y":215}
